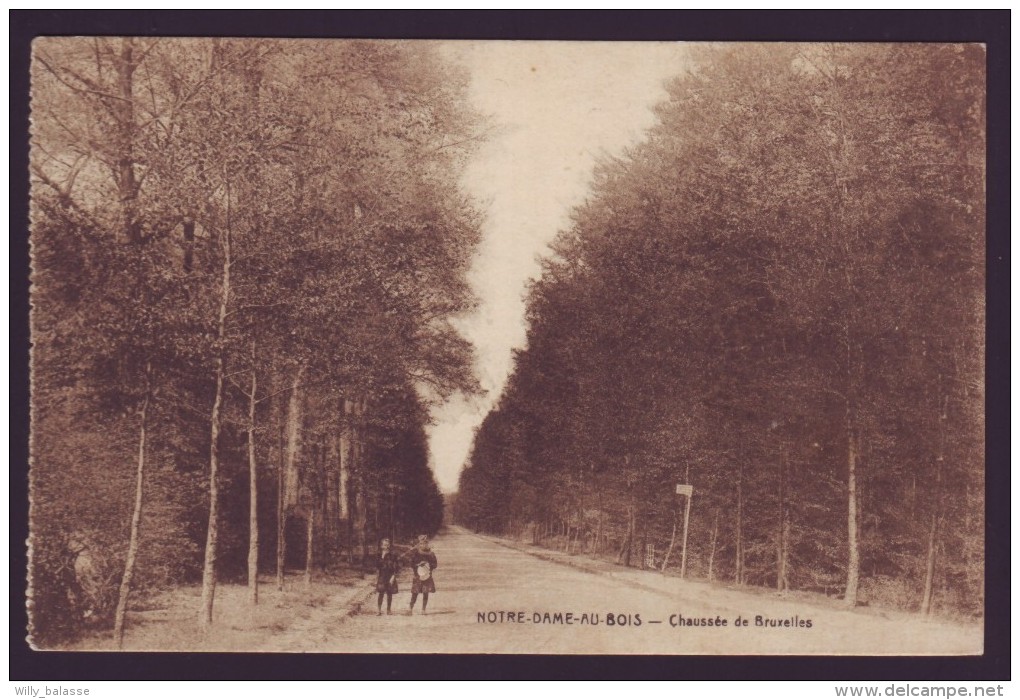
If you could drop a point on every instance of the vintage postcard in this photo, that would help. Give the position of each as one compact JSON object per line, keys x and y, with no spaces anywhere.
{"x":508,"y":347}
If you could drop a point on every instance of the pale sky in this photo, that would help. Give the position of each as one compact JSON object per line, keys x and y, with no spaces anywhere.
{"x":556,"y":107}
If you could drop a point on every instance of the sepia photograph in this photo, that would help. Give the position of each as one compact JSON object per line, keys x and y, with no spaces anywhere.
{"x":406,"y":346}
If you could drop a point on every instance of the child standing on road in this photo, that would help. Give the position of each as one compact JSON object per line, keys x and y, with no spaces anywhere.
{"x":423,"y":563}
{"x":386,"y":567}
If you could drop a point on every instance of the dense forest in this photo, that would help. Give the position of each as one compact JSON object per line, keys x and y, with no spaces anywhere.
{"x":246,"y":256}
{"x":777,"y":299}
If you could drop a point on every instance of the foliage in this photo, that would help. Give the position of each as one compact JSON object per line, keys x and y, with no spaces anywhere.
{"x":211,"y":212}
{"x":776,"y":297}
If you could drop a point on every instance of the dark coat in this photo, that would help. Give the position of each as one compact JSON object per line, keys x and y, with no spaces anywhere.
{"x":416,"y":557}
{"x":386,"y":567}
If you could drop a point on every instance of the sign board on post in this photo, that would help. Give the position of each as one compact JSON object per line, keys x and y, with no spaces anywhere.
{"x":684,"y":490}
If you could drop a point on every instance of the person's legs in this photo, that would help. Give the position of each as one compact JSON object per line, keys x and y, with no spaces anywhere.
{"x":424,"y":600}
{"x":389,"y":602}
{"x":414,"y":598}
{"x":378,"y":602}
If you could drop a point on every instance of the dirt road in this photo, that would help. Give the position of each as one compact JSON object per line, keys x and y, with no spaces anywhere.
{"x":496,"y":599}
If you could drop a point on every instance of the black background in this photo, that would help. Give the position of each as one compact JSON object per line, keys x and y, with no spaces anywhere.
{"x":989,"y":27}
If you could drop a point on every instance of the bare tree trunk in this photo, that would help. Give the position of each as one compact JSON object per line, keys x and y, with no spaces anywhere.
{"x":345,"y":475}
{"x":785,"y":568}
{"x":253,"y":493}
{"x":136,"y":519}
{"x":929,"y":569}
{"x":309,"y":551}
{"x":376,"y":512}
{"x":127,"y":182}
{"x":633,"y":534}
{"x":344,"y":497}
{"x":683,"y":547}
{"x":330,"y":504}
{"x":361,"y":505}
{"x":212,"y":532}
{"x":361,"y":499}
{"x":739,"y":563}
{"x":127,"y":191}
{"x":853,"y":532}
{"x":580,"y":527}
{"x":628,"y":542}
{"x":672,"y":542}
{"x":643,"y":551}
{"x":624,"y":545}
{"x":294,"y":418}
{"x":281,"y":513}
{"x":287,"y":478}
{"x":350,"y":542}
{"x":783,"y":536}
{"x":933,"y":530}
{"x":841,"y":157}
{"x":711,"y":552}
{"x":566,"y":532}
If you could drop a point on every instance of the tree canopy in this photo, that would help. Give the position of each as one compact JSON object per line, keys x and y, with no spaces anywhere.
{"x":246,"y":254}
{"x":777,"y":298}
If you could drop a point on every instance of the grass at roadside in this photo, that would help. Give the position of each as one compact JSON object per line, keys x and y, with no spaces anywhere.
{"x":170,"y":620}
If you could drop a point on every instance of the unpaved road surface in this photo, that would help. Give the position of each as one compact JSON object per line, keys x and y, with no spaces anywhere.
{"x":492,"y":598}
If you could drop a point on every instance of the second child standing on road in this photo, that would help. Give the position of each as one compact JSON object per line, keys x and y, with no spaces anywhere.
{"x":423,"y":563}
{"x":387,"y":567}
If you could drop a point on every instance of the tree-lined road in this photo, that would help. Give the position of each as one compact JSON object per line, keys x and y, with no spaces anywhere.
{"x":529,"y":600}
{"x":253,"y":277}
